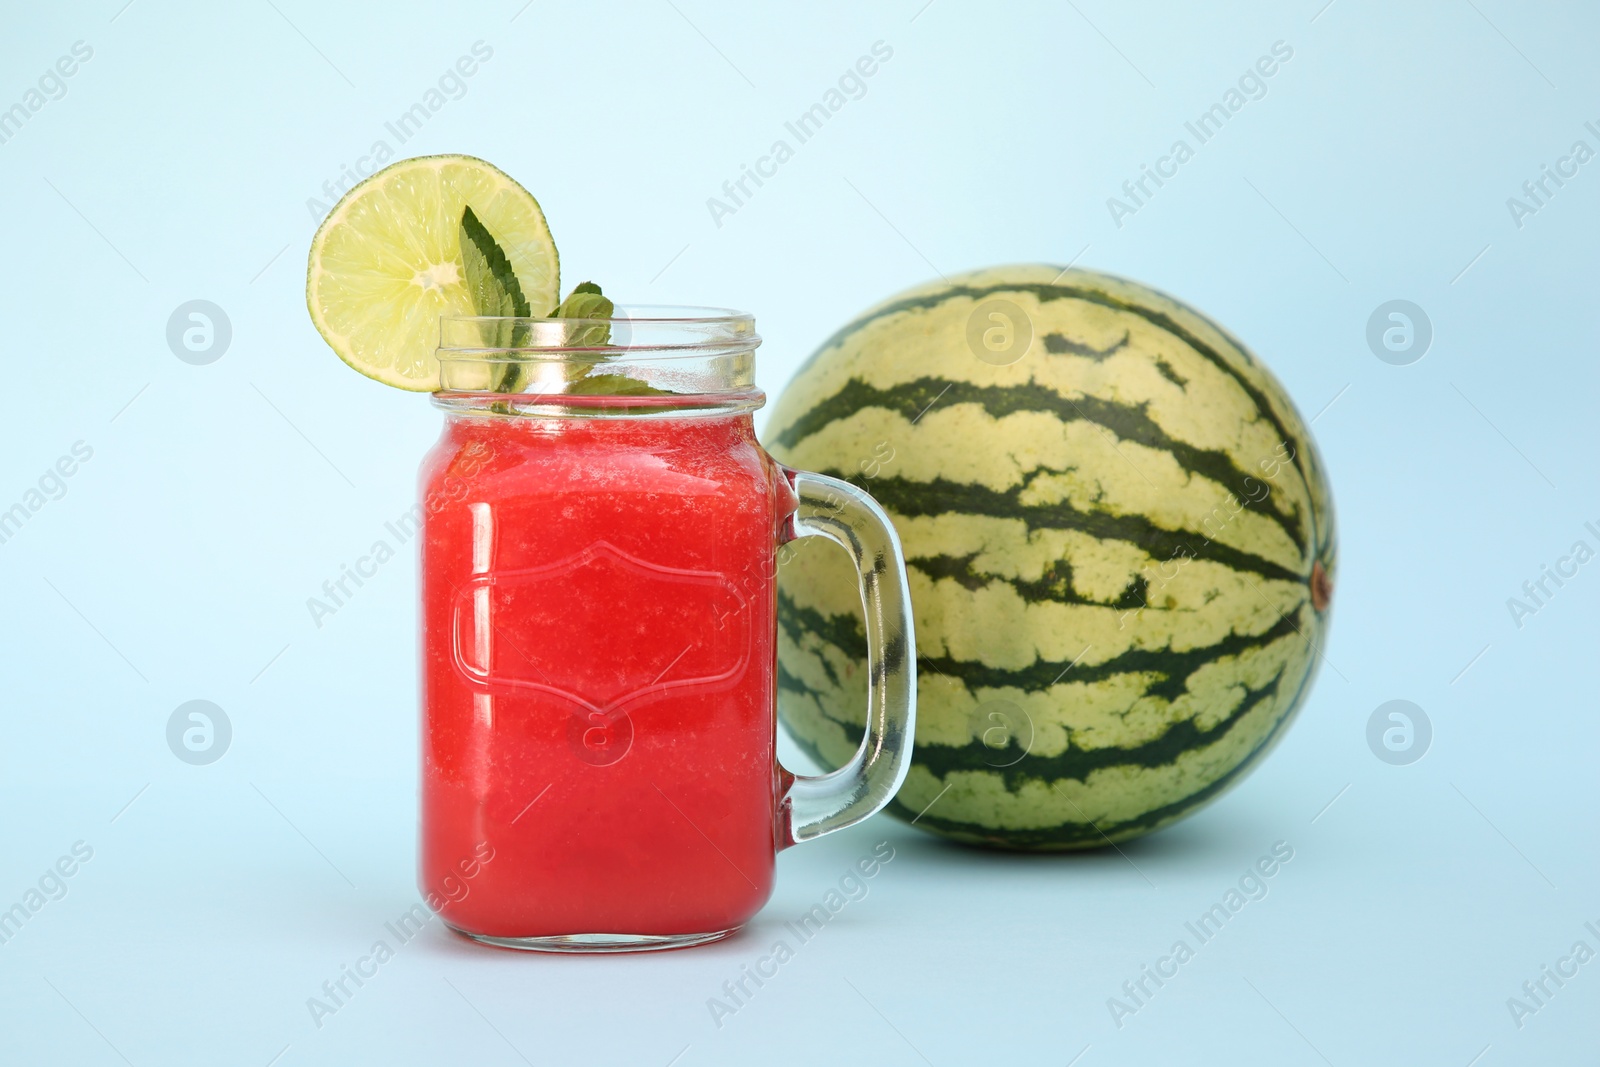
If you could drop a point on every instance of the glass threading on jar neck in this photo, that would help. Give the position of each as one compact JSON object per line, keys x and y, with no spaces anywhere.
{"x":646,"y":361}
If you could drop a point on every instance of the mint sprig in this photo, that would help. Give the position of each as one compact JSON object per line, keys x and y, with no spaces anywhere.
{"x":495,"y":291}
{"x":619,"y":385}
{"x":586,"y":301}
{"x":490,"y":278}
{"x":496,"y":294}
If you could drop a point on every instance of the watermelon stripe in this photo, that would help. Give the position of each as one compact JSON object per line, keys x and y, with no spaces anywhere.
{"x":1046,"y":292}
{"x":843,"y":632}
{"x":1068,"y":834}
{"x":1128,"y":421}
{"x":1071,"y":833}
{"x":1053,"y":587}
{"x":1057,"y":343}
{"x":905,"y":497}
{"x":1074,"y":833}
{"x":791,"y":684}
{"x":1016,"y":765}
{"x":1173,"y":667}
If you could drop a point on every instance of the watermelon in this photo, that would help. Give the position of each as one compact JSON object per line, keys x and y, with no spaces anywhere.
{"x":1119,"y":540}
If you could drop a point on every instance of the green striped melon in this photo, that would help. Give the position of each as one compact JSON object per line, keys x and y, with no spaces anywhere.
{"x":1120,"y":546}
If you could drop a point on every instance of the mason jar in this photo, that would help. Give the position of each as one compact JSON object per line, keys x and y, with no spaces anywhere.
{"x":599,"y":551}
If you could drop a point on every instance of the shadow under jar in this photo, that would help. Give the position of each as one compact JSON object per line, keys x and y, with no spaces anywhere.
{"x":600,"y":531}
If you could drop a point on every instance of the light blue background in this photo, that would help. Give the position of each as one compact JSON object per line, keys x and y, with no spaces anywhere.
{"x":177,"y":566}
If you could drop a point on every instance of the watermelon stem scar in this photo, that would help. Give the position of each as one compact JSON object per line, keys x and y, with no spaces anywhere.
{"x":1321,"y":587}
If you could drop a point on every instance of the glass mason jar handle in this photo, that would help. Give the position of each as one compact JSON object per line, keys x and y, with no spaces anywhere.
{"x":837,"y":510}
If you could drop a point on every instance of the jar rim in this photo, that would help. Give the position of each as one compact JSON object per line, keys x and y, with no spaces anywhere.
{"x":646,"y":351}
{"x":685,"y":313}
{"x":635,"y":329}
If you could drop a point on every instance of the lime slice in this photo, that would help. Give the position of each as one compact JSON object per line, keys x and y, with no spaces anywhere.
{"x":386,"y":262}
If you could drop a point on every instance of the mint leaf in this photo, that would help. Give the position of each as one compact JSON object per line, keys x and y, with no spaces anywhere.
{"x":489,"y":275}
{"x":586,"y":302}
{"x":618,"y":385}
{"x":495,"y":292}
